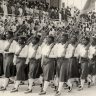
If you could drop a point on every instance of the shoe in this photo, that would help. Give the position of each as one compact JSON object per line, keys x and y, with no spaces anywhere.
{"x":21,"y":83}
{"x":69,"y":89}
{"x":89,"y":84}
{"x":56,"y":88}
{"x":42,"y":93}
{"x":11,"y":82}
{"x":52,"y":86}
{"x":28,"y":91}
{"x":2,"y":89}
{"x":14,"y":90}
{"x":33,"y":84}
{"x":57,"y":93}
{"x":80,"y":88}
{"x":41,"y":85}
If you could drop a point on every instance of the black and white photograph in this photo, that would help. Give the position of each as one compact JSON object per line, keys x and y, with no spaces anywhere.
{"x":47,"y":47}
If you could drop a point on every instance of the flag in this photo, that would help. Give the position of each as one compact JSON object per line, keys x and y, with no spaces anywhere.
{"x":90,"y":5}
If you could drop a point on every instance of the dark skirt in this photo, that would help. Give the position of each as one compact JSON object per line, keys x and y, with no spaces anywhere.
{"x":61,"y":69}
{"x":84,"y":68}
{"x":1,"y":64}
{"x":48,"y":69}
{"x":73,"y":68}
{"x":92,"y":67}
{"x":22,"y":73}
{"x":35,"y":69}
{"x":8,"y":65}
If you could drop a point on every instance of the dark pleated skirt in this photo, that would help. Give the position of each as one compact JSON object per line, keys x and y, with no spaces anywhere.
{"x":1,"y":64}
{"x":35,"y":69}
{"x":92,"y":67}
{"x":8,"y":65}
{"x":62,"y":69}
{"x":21,"y":68}
{"x":84,"y":68}
{"x":48,"y":69}
{"x":73,"y":68}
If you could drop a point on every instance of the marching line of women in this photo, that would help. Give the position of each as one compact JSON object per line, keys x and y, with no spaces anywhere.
{"x":64,"y":61}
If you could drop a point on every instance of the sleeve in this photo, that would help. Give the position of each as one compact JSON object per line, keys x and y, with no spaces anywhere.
{"x":14,"y":59}
{"x":7,"y":45}
{"x":27,"y":53}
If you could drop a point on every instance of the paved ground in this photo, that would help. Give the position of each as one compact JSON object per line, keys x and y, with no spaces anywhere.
{"x":86,"y":92}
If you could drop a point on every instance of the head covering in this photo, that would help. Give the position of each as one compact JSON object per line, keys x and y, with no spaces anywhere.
{"x":65,"y":36}
{"x":51,"y":37}
{"x":22,"y":38}
{"x":86,"y":38}
{"x":10,"y":33}
{"x":36,"y":38}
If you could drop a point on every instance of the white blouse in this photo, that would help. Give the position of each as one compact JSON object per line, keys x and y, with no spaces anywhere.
{"x":53,"y":53}
{"x":24,"y":52}
{"x":31,"y":51}
{"x":2,"y":45}
{"x":77,"y":50}
{"x":83,"y":51}
{"x":61,"y":50}
{"x":13,"y":47}
{"x":6,"y":44}
{"x":69,"y":51}
{"x":91,"y":51}
{"x":46,"y":50}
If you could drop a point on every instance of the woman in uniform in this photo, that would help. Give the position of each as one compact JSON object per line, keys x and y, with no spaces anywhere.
{"x":9,"y":47}
{"x":20,"y":56}
{"x":47,"y":63}
{"x":34,"y":64}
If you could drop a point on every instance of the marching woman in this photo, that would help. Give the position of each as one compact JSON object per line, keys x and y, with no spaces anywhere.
{"x":83,"y":53}
{"x":34,"y":64}
{"x":62,"y":62}
{"x":9,"y":47}
{"x":19,"y":60}
{"x":1,"y":54}
{"x":92,"y":63}
{"x":47,"y":63}
{"x":72,"y":67}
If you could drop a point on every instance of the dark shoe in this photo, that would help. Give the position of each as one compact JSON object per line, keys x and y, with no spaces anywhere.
{"x":33,"y":84}
{"x":14,"y":90}
{"x":69,"y":89}
{"x":28,"y":91}
{"x":11,"y":82}
{"x":56,"y":88}
{"x":80,"y":88}
{"x":89,"y":84}
{"x":2,"y":89}
{"x":57,"y":93}
{"x":21,"y":83}
{"x":41,"y":85}
{"x":42,"y":93}
{"x":52,"y":86}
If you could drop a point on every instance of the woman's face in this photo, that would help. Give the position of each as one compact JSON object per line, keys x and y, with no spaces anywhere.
{"x":84,"y":41}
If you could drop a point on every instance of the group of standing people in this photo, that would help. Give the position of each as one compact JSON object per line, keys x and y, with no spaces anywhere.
{"x":64,"y":61}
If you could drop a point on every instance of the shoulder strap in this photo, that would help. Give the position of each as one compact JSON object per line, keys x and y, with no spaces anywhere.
{"x":51,"y":49}
{"x":20,"y":50}
{"x":66,"y":46}
{"x":74,"y":49}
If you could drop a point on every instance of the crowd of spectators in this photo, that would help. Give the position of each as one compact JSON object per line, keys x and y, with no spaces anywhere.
{"x":36,"y":18}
